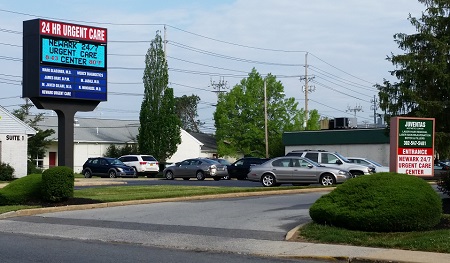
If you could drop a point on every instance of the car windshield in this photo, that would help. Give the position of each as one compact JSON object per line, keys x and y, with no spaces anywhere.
{"x":223,"y":161}
{"x":342,"y":158}
{"x":116,"y":162}
{"x":375,"y":163}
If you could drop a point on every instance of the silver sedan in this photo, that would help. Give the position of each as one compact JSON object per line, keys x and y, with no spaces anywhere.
{"x":296,"y":170}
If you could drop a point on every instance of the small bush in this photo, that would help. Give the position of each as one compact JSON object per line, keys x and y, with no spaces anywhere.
{"x":385,"y":202}
{"x":22,"y":190}
{"x":444,"y":183}
{"x":57,"y":184}
{"x":32,"y":168}
{"x":6,"y":172}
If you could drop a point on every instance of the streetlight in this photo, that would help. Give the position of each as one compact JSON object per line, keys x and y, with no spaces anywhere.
{"x":265,"y":119}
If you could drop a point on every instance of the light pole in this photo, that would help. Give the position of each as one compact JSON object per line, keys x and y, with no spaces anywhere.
{"x":265,"y":119}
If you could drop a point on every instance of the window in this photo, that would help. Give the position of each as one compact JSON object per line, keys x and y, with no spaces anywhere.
{"x":329,"y":158}
{"x":313,"y":156}
{"x":281,"y":163}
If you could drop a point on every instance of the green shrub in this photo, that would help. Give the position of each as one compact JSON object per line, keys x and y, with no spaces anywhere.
{"x":32,"y":169}
{"x":6,"y":172}
{"x":22,"y":190}
{"x":444,"y":183}
{"x":385,"y":202}
{"x":57,"y":184}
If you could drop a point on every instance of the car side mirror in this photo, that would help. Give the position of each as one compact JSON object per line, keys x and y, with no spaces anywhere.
{"x":338,"y":161}
{"x":310,"y":166}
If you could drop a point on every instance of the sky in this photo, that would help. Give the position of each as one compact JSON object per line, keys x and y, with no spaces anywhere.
{"x":209,"y":42}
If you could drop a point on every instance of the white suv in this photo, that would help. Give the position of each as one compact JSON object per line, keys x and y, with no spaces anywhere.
{"x":333,"y":159}
{"x":143,"y":164}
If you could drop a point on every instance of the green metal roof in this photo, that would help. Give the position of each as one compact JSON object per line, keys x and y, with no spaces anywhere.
{"x":335,"y":137}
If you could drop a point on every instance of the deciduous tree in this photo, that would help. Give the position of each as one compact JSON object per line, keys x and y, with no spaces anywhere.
{"x":239,"y":117}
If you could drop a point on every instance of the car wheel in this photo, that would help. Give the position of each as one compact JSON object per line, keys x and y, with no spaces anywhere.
{"x":327,"y":180}
{"x":169,"y":175}
{"x":112,"y":174}
{"x":200,"y":175}
{"x":216,"y":178}
{"x":226,"y":177}
{"x":136,"y":172}
{"x":268,"y":180}
{"x":186,"y":178}
{"x":87,"y":174}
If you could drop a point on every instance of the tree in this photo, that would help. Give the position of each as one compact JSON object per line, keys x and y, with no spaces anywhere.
{"x":37,"y":144}
{"x":159,"y":130}
{"x":186,"y":108}
{"x":239,"y":117}
{"x":423,"y":72}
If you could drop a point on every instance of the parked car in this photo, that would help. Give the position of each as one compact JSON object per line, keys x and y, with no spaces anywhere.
{"x":199,"y":168}
{"x":107,"y":167}
{"x":296,"y":170}
{"x":142,"y":164}
{"x":240,"y":168}
{"x":441,"y":166}
{"x":379,"y":168}
{"x":333,"y":159}
{"x":224,"y":162}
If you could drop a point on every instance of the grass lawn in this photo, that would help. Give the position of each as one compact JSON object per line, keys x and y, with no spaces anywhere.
{"x":437,"y":240}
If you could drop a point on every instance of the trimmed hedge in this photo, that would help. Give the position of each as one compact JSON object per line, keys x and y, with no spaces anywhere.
{"x":57,"y":184}
{"x":22,"y":190}
{"x":384,"y":202}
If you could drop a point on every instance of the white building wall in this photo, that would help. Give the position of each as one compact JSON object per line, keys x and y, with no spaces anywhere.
{"x":189,"y":148}
{"x":376,"y":152}
{"x":13,"y":151}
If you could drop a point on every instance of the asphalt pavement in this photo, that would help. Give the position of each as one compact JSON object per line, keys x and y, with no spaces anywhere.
{"x":287,"y":248}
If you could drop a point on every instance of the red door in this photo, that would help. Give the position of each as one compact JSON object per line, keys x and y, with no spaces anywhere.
{"x":52,"y":159}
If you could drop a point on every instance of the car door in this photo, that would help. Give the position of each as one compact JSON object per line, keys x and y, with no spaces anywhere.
{"x":193,"y":167}
{"x":103,"y":167}
{"x":94,"y":166}
{"x":182,"y":168}
{"x":282,"y":169}
{"x":330,"y":160}
{"x":233,"y":169}
{"x":303,"y":172}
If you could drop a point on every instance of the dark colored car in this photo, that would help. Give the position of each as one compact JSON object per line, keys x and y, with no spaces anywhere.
{"x":107,"y":167}
{"x":241,"y":167}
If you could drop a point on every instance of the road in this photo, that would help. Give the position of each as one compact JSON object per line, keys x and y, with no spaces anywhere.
{"x":212,"y":228}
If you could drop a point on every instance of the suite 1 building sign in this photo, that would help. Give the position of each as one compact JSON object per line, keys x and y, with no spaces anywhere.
{"x":64,"y":61}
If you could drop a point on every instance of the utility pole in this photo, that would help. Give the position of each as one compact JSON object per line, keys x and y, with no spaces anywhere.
{"x":265,"y":119}
{"x":165,"y":42}
{"x":374,"y":107}
{"x":307,"y":89}
{"x":357,"y":108}
{"x":220,"y":86}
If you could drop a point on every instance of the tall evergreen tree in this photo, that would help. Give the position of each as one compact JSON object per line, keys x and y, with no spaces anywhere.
{"x":159,"y":130}
{"x":423,"y":72}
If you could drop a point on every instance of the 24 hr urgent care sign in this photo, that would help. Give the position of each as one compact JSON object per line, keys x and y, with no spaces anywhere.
{"x":412,"y":146}
{"x":59,"y":29}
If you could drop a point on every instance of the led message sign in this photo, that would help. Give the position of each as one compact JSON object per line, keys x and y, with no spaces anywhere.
{"x":73,"y":53}
{"x":64,"y":61}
